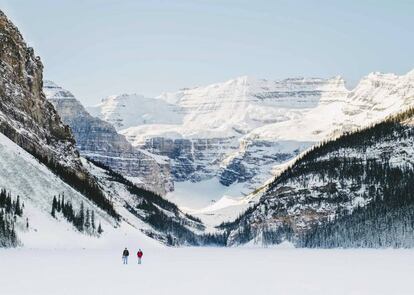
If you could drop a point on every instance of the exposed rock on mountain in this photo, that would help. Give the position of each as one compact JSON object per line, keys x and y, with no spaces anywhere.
{"x":205,"y":127}
{"x":241,"y":130}
{"x":98,"y":140}
{"x":35,"y":144}
{"x":354,"y":191}
{"x":26,"y":117}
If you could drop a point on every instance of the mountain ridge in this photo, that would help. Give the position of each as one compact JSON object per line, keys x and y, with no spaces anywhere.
{"x":241,"y":130}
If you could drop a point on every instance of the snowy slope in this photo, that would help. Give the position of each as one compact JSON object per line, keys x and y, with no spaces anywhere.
{"x":240,"y":132}
{"x":375,"y":97}
{"x":132,"y":110}
{"x":232,"y":108}
{"x":23,"y":175}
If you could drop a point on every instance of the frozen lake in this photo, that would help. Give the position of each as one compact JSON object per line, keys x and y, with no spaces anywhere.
{"x":207,"y":271}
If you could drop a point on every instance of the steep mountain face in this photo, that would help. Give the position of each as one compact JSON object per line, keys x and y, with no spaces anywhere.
{"x":38,"y":154}
{"x":29,"y":120}
{"x":239,"y":132}
{"x":354,"y":191}
{"x":26,"y":117}
{"x":49,"y":195}
{"x":98,"y":140}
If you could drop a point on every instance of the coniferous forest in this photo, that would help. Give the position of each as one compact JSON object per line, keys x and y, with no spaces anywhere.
{"x":354,"y":191}
{"x":10,"y":210}
{"x":388,"y":219}
{"x":83,"y":220}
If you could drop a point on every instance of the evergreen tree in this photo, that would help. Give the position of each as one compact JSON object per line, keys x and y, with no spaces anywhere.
{"x":81,"y":217}
{"x":54,"y":205}
{"x":10,"y":210}
{"x":100,"y":230}
{"x":87,"y":220}
{"x":18,"y":209}
{"x":93,"y":221}
{"x":58,"y":203}
{"x":62,"y":204}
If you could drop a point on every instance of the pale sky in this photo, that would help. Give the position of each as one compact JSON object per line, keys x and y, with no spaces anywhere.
{"x":97,"y":48}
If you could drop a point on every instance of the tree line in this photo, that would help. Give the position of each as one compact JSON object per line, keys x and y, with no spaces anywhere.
{"x":83,"y":220}
{"x":10,"y":210}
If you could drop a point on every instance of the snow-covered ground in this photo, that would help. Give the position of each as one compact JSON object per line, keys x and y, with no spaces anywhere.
{"x":211,"y":201}
{"x":207,"y":271}
{"x":198,"y":195}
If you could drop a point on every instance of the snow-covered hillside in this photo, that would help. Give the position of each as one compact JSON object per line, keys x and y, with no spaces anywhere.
{"x":354,"y":191}
{"x":238,"y":133}
{"x":23,"y":175}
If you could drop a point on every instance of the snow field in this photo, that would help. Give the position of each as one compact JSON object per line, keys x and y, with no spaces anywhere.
{"x":207,"y":271}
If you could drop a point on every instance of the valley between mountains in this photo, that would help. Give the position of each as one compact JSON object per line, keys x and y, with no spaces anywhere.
{"x":303,"y":161}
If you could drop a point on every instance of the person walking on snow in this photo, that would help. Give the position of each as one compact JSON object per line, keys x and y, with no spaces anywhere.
{"x":139,"y":254}
{"x":125,"y":255}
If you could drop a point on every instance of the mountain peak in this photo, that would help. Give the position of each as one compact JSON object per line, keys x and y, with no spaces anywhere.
{"x":54,"y":91}
{"x":243,"y":79}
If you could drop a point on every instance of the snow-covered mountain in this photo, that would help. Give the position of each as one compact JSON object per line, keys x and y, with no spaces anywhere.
{"x":98,"y":140}
{"x":49,"y":195}
{"x":122,"y":111}
{"x":354,"y":191}
{"x":237,"y":133}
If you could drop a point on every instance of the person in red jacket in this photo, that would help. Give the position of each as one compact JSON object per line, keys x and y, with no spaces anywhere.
{"x":139,"y":254}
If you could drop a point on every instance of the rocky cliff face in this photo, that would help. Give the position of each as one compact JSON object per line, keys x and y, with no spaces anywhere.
{"x":98,"y":140}
{"x":191,"y":159}
{"x":26,"y":117}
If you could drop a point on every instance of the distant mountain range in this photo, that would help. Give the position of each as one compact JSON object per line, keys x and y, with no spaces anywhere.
{"x":241,"y":132}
